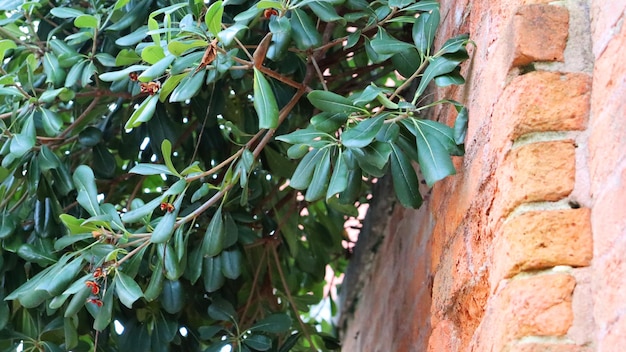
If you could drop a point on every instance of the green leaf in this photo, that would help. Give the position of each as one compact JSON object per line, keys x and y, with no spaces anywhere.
{"x":144,"y":113}
{"x":8,"y":223}
{"x":460,"y":126}
{"x":400,"y":3}
{"x":275,"y":323}
{"x":131,"y":39}
{"x":389,"y":46}
{"x":332,"y":102}
{"x":104,"y":313}
{"x":406,"y":62}
{"x":304,"y":136}
{"x":424,"y":30}
{"x":86,"y":21}
{"x":231,"y":263}
{"x":213,"y":278}
{"x":172,"y":297}
{"x":304,"y":172}
{"x":423,"y":5}
{"x":213,"y":17}
{"x":171,"y":263}
{"x":339,"y":179}
{"x":439,"y":66}
{"x":65,"y":12}
{"x":152,"y":54}
{"x":150,"y":169}
{"x":85,"y":183}
{"x":258,"y":342}
{"x":141,"y":212}
{"x":164,"y":229}
{"x":170,"y":84}
{"x":157,"y":69}
{"x":119,"y":75}
{"x":319,"y":183}
{"x":264,"y":102}
{"x":303,"y":29}
{"x":433,"y":158}
{"x":208,"y":331}
{"x":58,"y":279}
{"x":221,"y":309}
{"x":155,"y":286}
{"x":326,"y":12}
{"x":329,"y":122}
{"x":213,"y":241}
{"x":54,"y":73}
{"x":188,"y":87}
{"x":281,"y":37}
{"x":5,"y":46}
{"x":363,"y":133}
{"x":373,"y":158}
{"x":405,"y":182}
{"x":166,"y":149}
{"x":453,"y":45}
{"x":30,"y":253}
{"x":127,"y":290}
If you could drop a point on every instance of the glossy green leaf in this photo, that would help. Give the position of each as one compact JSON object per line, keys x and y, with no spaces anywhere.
{"x":326,"y":12}
{"x":151,"y":169}
{"x":65,"y":12}
{"x":127,"y":290}
{"x":8,"y":223}
{"x":5,"y":46}
{"x":77,"y":302}
{"x":363,"y":133}
{"x":304,"y":136}
{"x":258,"y":342}
{"x":405,"y":182}
{"x":281,"y":37}
{"x":85,"y":183}
{"x":319,"y":183}
{"x":213,"y":241}
{"x":332,"y":102}
{"x":264,"y":102}
{"x":329,"y":122}
{"x":373,"y":158}
{"x":213,"y":277}
{"x":86,"y":21}
{"x":171,"y":263}
{"x":435,"y":163}
{"x":118,"y":75}
{"x":460,"y":126}
{"x":424,"y":30}
{"x":152,"y":54}
{"x":406,"y":62}
{"x":389,"y":46}
{"x":213,"y":17}
{"x":439,"y":66}
{"x":172,"y":297}
{"x":144,"y":112}
{"x":137,"y":214}
{"x":170,"y":84}
{"x":453,"y":45}
{"x":104,"y":313}
{"x":155,"y":286}
{"x":156,"y":70}
{"x":339,"y":179}
{"x":304,"y":172}
{"x":59,"y":278}
{"x":188,"y":87}
{"x":275,"y":323}
{"x":231,"y":260}
{"x":303,"y":30}
{"x":221,"y":309}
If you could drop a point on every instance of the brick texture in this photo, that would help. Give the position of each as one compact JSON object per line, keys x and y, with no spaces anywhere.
{"x":500,"y":258}
{"x":539,"y":33}
{"x":542,"y":239}
{"x":536,"y":172}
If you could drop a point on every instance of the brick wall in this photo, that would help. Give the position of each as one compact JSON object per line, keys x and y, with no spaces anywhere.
{"x":525,"y":248}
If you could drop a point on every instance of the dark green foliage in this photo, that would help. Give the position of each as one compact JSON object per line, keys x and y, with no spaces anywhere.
{"x":184,"y":170}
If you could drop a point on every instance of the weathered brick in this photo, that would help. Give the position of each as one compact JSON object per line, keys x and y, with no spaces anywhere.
{"x":543,"y":101}
{"x":534,"y":306}
{"x":444,"y":337}
{"x":546,"y":347}
{"x":535,"y":172}
{"x":538,"y":33}
{"x":542,"y":239}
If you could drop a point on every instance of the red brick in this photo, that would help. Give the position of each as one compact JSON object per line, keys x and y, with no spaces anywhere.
{"x":546,"y":347}
{"x":535,"y":172}
{"x":444,"y":337}
{"x":543,"y":101}
{"x":534,"y":306}
{"x":542,"y":239}
{"x":539,"y":33}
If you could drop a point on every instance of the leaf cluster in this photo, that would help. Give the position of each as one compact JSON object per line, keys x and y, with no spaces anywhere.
{"x":177,"y":175}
